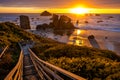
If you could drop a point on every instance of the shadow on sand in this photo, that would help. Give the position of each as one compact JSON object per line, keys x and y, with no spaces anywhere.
{"x":94,"y":43}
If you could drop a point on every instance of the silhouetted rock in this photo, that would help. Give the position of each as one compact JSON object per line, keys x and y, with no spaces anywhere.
{"x":97,"y":14}
{"x":86,"y":22}
{"x":91,"y":37}
{"x":110,"y":17}
{"x":42,"y":27}
{"x":24,"y":22}
{"x":45,"y":13}
{"x":62,"y":22}
{"x":93,"y":41}
{"x":55,"y":19}
{"x":99,"y":21}
{"x":59,"y":25}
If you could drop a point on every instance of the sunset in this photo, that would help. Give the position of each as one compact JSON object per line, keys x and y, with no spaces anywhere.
{"x":59,"y":39}
{"x":79,"y":10}
{"x":57,"y":10}
{"x":37,"y":6}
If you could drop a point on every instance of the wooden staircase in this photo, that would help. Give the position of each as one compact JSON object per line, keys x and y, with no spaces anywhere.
{"x":29,"y":72}
{"x":30,"y":67}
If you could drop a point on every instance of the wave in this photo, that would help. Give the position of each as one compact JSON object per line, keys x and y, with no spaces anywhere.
{"x":98,"y":28}
{"x":113,"y":29}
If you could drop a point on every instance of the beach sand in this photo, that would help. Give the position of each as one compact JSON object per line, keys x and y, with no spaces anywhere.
{"x":112,"y":42}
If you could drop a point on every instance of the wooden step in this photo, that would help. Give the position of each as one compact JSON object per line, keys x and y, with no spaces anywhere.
{"x":29,"y":71}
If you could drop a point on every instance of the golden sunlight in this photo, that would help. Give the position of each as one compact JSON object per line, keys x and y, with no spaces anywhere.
{"x":79,"y":10}
{"x":78,"y":32}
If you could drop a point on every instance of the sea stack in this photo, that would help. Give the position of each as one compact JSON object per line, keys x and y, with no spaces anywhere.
{"x":24,"y":22}
{"x":45,"y":13}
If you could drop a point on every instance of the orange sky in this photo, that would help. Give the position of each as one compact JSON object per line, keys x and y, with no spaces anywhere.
{"x":58,"y":6}
{"x":54,"y":10}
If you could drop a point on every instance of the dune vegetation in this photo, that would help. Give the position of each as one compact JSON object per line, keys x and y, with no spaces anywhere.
{"x":90,"y":63}
{"x":10,"y":35}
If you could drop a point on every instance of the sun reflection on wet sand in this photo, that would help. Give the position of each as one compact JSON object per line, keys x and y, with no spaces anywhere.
{"x":78,"y":38}
{"x":78,"y":31}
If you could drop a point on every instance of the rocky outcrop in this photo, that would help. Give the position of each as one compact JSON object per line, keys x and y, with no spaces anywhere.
{"x":62,"y":22}
{"x":60,"y":25}
{"x":45,"y":13}
{"x":24,"y":22}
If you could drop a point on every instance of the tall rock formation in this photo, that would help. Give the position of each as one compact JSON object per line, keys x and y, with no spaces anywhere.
{"x":61,"y":22}
{"x":24,"y":22}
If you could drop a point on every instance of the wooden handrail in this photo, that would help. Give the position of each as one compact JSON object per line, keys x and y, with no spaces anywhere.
{"x":3,"y":51}
{"x":17,"y":72}
{"x":55,"y":68}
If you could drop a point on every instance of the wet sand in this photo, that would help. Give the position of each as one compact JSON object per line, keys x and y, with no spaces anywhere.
{"x":112,"y":42}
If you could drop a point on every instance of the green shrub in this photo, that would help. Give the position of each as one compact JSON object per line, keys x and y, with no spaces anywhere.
{"x":90,"y":63}
{"x":89,"y":68}
{"x":11,"y":34}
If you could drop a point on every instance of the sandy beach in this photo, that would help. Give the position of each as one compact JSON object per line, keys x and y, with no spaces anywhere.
{"x":105,"y":39}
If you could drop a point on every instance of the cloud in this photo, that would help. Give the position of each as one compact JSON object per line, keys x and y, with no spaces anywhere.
{"x":59,"y":3}
{"x":33,"y":3}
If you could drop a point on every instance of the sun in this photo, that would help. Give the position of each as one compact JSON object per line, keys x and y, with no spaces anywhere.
{"x":79,"y":10}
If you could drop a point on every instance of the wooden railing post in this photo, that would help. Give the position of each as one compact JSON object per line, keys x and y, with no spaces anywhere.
{"x":3,"y":51}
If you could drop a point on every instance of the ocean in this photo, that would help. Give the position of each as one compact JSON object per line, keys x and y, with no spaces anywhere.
{"x":109,"y":22}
